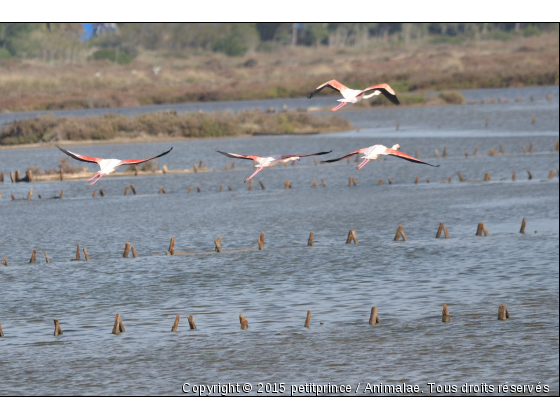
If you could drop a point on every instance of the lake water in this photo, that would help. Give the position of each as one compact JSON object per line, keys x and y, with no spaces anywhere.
{"x":274,"y":288}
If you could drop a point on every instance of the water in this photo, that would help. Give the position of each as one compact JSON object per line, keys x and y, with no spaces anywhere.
{"x":339,"y":283}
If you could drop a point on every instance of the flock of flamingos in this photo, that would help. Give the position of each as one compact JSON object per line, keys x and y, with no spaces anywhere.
{"x":350,"y":96}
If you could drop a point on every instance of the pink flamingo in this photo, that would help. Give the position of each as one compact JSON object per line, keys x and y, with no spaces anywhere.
{"x":375,"y":152}
{"x":268,"y":161}
{"x":352,"y":96}
{"x":107,"y":166}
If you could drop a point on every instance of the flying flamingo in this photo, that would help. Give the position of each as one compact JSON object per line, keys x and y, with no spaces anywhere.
{"x":353,"y":96}
{"x":107,"y":166}
{"x":268,"y":161}
{"x":375,"y":152}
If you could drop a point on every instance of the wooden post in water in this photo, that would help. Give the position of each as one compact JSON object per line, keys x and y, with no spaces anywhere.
{"x":354,"y":182}
{"x":307,"y":319}
{"x":30,"y":194}
{"x":18,"y":176}
{"x":534,"y":120}
{"x":416,"y":154}
{"x":2,"y":177}
{"x":12,"y":177}
{"x":398,"y":125}
{"x":171,"y":250}
{"x":243,"y":322}
{"x":229,"y":188}
{"x":529,"y":174}
{"x":86,"y":255}
{"x":523,"y":224}
{"x":389,"y":181}
{"x":487,"y":176}
{"x":6,"y":263}
{"x":118,"y":326}
{"x":33,"y":256}
{"x":531,"y":147}
{"x":46,"y":257}
{"x":250,"y":185}
{"x":94,"y":194}
{"x":197,"y":190}
{"x":436,"y":153}
{"x":262,"y":185}
{"x":416,"y":179}
{"x":57,"y":329}
{"x":400,"y":234}
{"x":315,"y":161}
{"x":481,"y":230}
{"x":445,"y":314}
{"x":524,"y":149}
{"x":78,"y":252}
{"x":474,"y":151}
{"x":162,"y":191}
{"x":450,"y":179}
{"x":221,"y":187}
{"x":314,"y":184}
{"x":445,"y":151}
{"x":461,"y":179}
{"x":443,"y":229}
{"x":175,"y":324}
{"x":373,"y":318}
{"x":132,"y":249}
{"x":310,"y":240}
{"x":13,"y":196}
{"x":126,"y":190}
{"x":380,"y":182}
{"x":195,"y":169}
{"x":1,"y":332}
{"x":133,"y":189}
{"x":192,"y":325}
{"x":513,"y":176}
{"x":188,"y":192}
{"x":503,"y":313}
{"x":227,"y":166}
{"x":551,"y":174}
{"x":323,"y":183}
{"x":218,"y":244}
{"x":126,"y":250}
{"x":164,"y":169}
{"x":352,"y":237}
{"x":101,"y":192}
{"x":260,"y":241}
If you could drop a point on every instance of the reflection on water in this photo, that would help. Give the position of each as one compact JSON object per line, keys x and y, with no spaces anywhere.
{"x":408,"y":281}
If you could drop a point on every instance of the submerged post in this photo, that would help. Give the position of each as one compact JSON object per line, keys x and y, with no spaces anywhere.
{"x":78,"y":252}
{"x":118,"y":326}
{"x":126,"y":250}
{"x":192,"y":325}
{"x":57,"y":329}
{"x":262,"y":185}
{"x":46,"y":257}
{"x":30,"y":194}
{"x":400,"y":234}
{"x":513,"y":176}
{"x":86,"y":255}
{"x":445,"y":314}
{"x":314,"y":184}
{"x":175,"y":324}
{"x":126,"y":190}
{"x":310,"y":240}
{"x":487,"y":176}
{"x":250,"y":185}
{"x":243,"y":322}
{"x":373,"y":318}
{"x":529,"y":174}
{"x":522,"y":230}
{"x":352,"y":237}
{"x":218,"y":245}
{"x":134,"y":253}
{"x":6,"y":263}
{"x":260,"y":241}
{"x":307,"y":319}
{"x":171,"y":250}
{"x":481,"y":230}
{"x":1,"y":332}
{"x":503,"y":313}
{"x":33,"y":255}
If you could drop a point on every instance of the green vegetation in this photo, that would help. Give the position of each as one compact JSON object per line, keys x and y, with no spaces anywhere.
{"x":166,"y":125}
{"x":119,"y":57}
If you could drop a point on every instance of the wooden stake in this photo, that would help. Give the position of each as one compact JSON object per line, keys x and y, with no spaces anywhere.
{"x":232,"y":164}
{"x":534,"y":120}
{"x":86,"y":255}
{"x":2,"y":177}
{"x":373,"y":318}
{"x":46,"y":257}
{"x":175,"y":324}
{"x":487,"y":176}
{"x":481,"y":230}
{"x":389,"y":181}
{"x":437,"y":153}
{"x":33,"y":256}
{"x":195,"y":169}
{"x":18,"y":176}
{"x":30,"y":194}
{"x":171,"y":249}
{"x":513,"y":176}
{"x":61,"y":194}
{"x":132,"y":249}
{"x":164,"y":169}
{"x":197,"y":190}
{"x":12,"y":177}
{"x":221,"y":187}
{"x":6,"y":263}
{"x":503,"y":313}
{"x":229,"y":188}
{"x":352,"y":237}
{"x":118,"y":327}
{"x":400,"y":234}
{"x":57,"y":329}
{"x":101,"y":192}
{"x":398,"y":126}
{"x":416,"y":180}
{"x":461,"y":179}
{"x":310,"y":240}
{"x":354,"y":182}
{"x":380,"y":182}
{"x":416,"y":154}
{"x":323,"y":182}
{"x":524,"y":149}
{"x":13,"y":196}
{"x":78,"y":252}
{"x":440,"y":230}
{"x":1,"y":332}
{"x":475,"y":149}
{"x":162,"y":190}
{"x":94,"y":194}
{"x":445,"y":151}
{"x":250,"y":185}
{"x":531,"y":148}
{"x":551,"y":174}
{"x":315,"y":161}
{"x":307,"y":319}
{"x":487,"y":121}
{"x":218,"y":242}
{"x":530,"y":175}
{"x":188,"y":192}
{"x":126,"y":250}
{"x":192,"y":325}
{"x":314,"y":184}
{"x":523,"y":224}
{"x":350,"y":181}
{"x":126,"y":190}
{"x":133,"y":189}
{"x":450,"y":179}
{"x":243,"y":321}
{"x":445,"y":314}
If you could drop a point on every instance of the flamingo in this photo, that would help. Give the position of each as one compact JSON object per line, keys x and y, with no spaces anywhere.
{"x":353,"y":96}
{"x":268,"y":161}
{"x":107,"y":166}
{"x":376,"y":151}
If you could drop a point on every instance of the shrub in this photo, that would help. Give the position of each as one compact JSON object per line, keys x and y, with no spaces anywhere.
{"x":452,"y":97}
{"x":531,"y":31}
{"x":232,"y":46}
{"x":4,"y":53}
{"x":111,"y":55}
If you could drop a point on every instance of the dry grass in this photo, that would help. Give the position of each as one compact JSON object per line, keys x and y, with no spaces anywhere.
{"x":286,"y":72}
{"x":166,"y":125}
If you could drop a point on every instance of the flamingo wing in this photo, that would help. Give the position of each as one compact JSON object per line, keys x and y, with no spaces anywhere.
{"x":333,"y":84}
{"x":343,"y":157}
{"x":386,"y":90}
{"x":80,"y":157}
{"x":235,"y":155}
{"x":137,"y":161}
{"x":312,"y":154}
{"x":407,"y":157}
